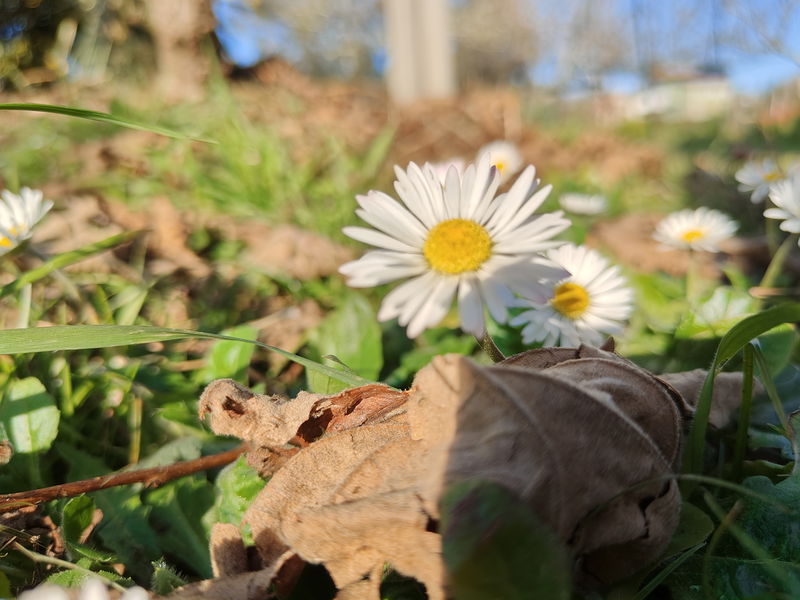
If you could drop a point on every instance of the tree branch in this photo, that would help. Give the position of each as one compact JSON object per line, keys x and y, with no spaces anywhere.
{"x":149,"y":477}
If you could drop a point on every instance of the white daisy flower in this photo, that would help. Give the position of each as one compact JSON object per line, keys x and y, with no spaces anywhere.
{"x":92,"y":589}
{"x":700,"y":229}
{"x":18,"y":215}
{"x":584,"y":308}
{"x":785,"y":195}
{"x":583,"y":204}
{"x":506,"y":158}
{"x":757,"y":177}
{"x":442,"y":167}
{"x":455,"y":240}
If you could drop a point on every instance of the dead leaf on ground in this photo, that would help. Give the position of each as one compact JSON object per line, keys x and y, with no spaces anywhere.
{"x":168,"y":235}
{"x":585,"y":438}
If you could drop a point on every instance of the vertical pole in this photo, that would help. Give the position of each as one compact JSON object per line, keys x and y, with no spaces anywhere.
{"x":419,"y":46}
{"x":435,"y":56}
{"x":401,"y":77}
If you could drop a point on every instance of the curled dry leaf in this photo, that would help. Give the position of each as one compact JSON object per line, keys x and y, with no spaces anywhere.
{"x":586,"y":439}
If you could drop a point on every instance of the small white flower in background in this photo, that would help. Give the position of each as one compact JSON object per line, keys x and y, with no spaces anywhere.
{"x":455,"y":240}
{"x":442,"y":167}
{"x":586,"y":307}
{"x":699,"y":229}
{"x":785,"y":195}
{"x":505,"y":157}
{"x":583,"y":204}
{"x":757,"y":177}
{"x":724,"y":308}
{"x":92,"y":589}
{"x":18,"y":215}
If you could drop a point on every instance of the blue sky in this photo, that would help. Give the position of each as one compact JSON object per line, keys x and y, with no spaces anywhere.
{"x":756,"y":41}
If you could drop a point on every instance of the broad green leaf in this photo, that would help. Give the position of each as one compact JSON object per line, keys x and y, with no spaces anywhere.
{"x":731,"y":578}
{"x":733,"y":341}
{"x":125,"y":529}
{"x":694,"y":528}
{"x":102,"y":117}
{"x":778,"y":532}
{"x":83,"y":337}
{"x":5,"y":586}
{"x":29,"y":416}
{"x":94,"y":555}
{"x":235,"y":488}
{"x":185,"y":448}
{"x":351,"y":334}
{"x":68,"y":578}
{"x":494,"y":546}
{"x":75,"y":578}
{"x":76,"y":517}
{"x":63,"y":260}
{"x":230,"y":359}
{"x":177,"y":511}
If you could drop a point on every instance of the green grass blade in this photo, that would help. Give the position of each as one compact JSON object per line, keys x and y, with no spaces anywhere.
{"x":733,"y":341}
{"x":744,"y":412}
{"x":772,"y":393}
{"x":645,"y":592}
{"x":752,"y":546}
{"x":102,"y":117}
{"x":84,"y":337}
{"x":66,"y":259}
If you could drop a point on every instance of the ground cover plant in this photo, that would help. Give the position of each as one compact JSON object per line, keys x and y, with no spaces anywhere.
{"x":459,"y":424}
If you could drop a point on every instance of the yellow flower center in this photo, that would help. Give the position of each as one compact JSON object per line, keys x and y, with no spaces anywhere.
{"x":500,"y":166}
{"x":6,"y":242}
{"x":571,"y":300}
{"x":773,"y":176}
{"x":692,"y":235}
{"x":457,"y":245}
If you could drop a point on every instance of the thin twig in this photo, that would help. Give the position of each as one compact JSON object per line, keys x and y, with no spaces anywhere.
{"x":57,"y":562}
{"x":149,"y":477}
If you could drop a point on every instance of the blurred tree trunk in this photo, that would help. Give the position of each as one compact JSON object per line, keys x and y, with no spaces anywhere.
{"x":180,"y":31}
{"x":418,"y":40}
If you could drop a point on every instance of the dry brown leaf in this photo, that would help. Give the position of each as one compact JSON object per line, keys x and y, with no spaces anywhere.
{"x":291,"y":250}
{"x":727,"y":392}
{"x":81,"y":221}
{"x":228,"y":554}
{"x":263,"y":420}
{"x":287,"y":328}
{"x":168,"y":235}
{"x":587,"y":439}
{"x":243,"y":586}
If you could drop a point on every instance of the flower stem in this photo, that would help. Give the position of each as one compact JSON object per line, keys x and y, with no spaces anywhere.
{"x":57,"y":562}
{"x":776,"y":264}
{"x":487,"y":344}
{"x":24,"y":316}
{"x":692,"y":279}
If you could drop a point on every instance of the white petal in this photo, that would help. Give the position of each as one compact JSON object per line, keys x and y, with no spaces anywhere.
{"x":376,"y":238}
{"x":470,"y":307}
{"x":497,"y":297}
{"x":435,"y":307}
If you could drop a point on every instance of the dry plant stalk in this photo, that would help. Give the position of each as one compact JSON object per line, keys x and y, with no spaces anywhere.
{"x":584,"y":437}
